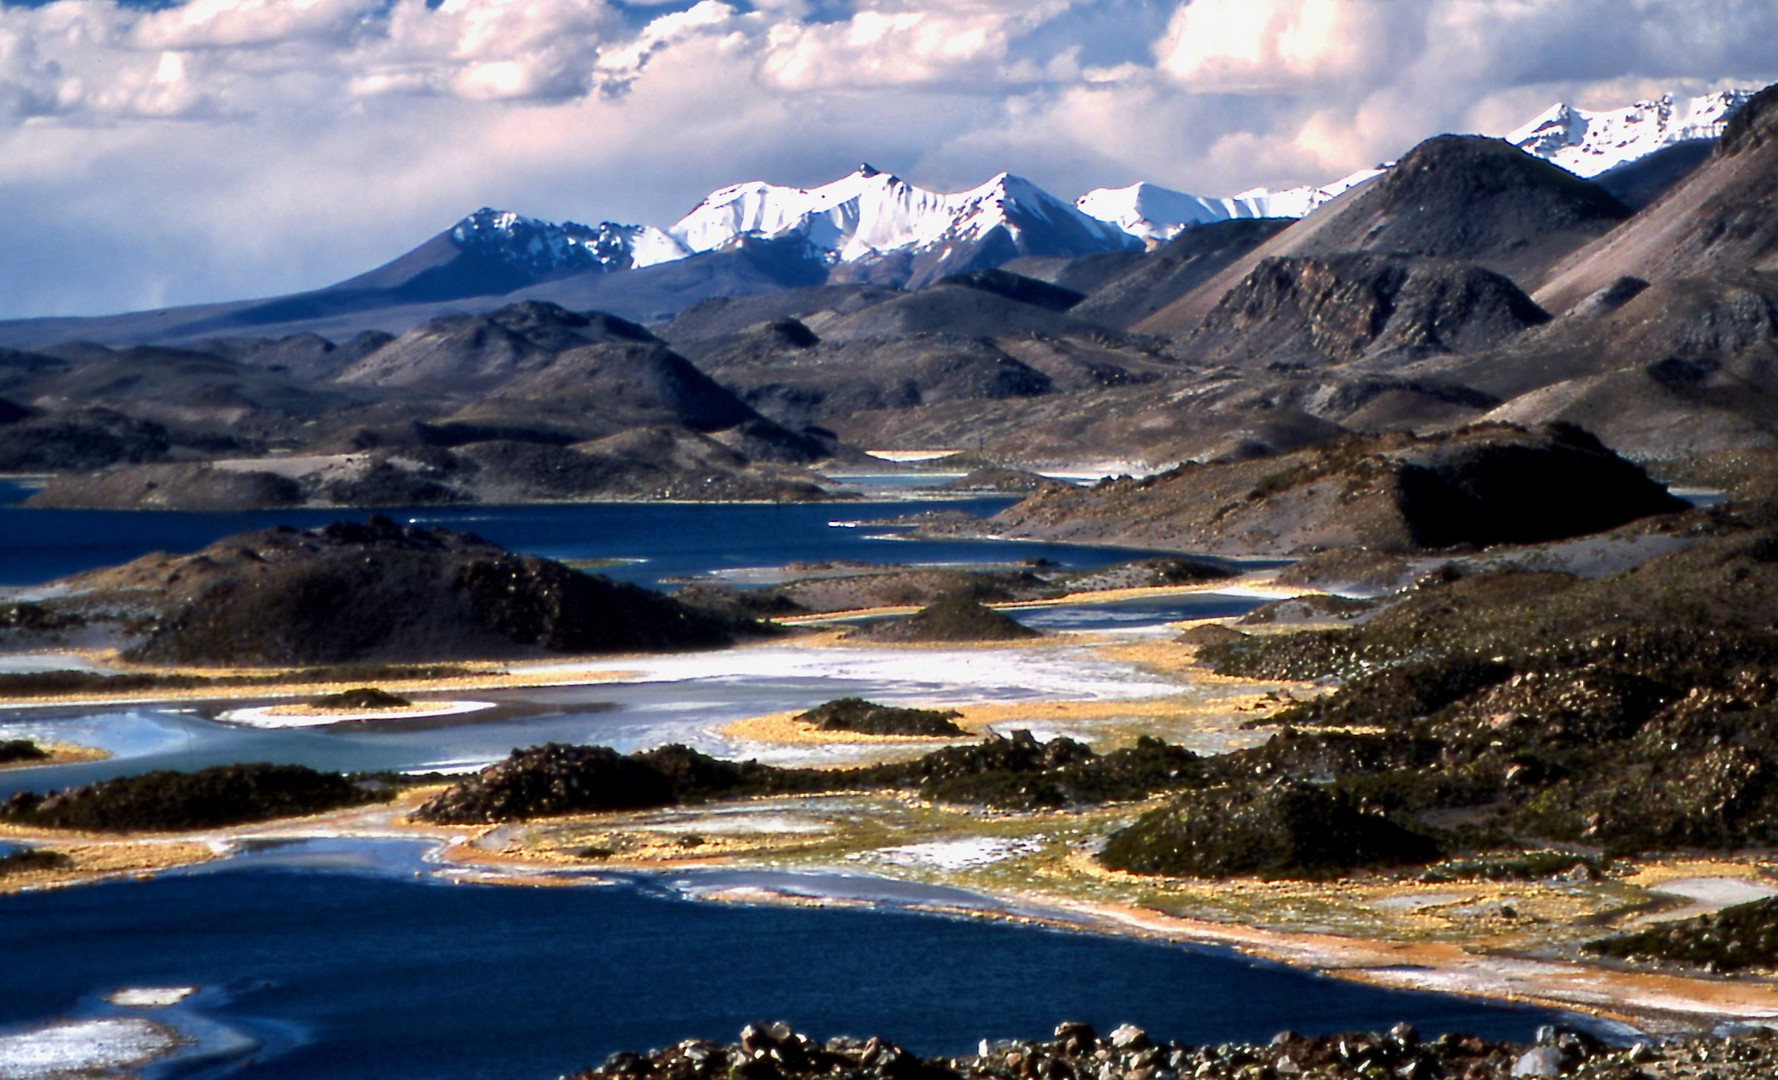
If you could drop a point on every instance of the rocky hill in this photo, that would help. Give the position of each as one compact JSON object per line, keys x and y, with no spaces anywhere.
{"x":372,"y":592}
{"x":1477,"y":486}
{"x":1452,"y":197}
{"x":1295,"y":312}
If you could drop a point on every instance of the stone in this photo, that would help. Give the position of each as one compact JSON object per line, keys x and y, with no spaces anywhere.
{"x":1405,"y":1034}
{"x":1129,"y":1037}
{"x":1539,"y":1061}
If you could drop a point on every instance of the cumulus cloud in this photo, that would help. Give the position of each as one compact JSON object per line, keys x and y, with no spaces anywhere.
{"x":222,"y":148}
{"x":1275,"y":45}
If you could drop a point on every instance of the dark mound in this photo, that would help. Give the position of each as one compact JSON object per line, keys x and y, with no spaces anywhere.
{"x":363,"y":697}
{"x":165,"y":801}
{"x":631,"y":382}
{"x":1743,"y":936}
{"x":1522,"y":493}
{"x":1486,"y":484}
{"x":1021,"y":773}
{"x":381,"y":591}
{"x":1210,"y":634}
{"x":20,"y":862}
{"x":551,"y":779}
{"x":869,"y":718}
{"x":16,"y":750}
{"x":87,"y":439}
{"x":561,"y":779}
{"x":11,"y":412}
{"x":951,"y":619}
{"x":1309,"y":312}
{"x":1466,"y":197}
{"x":1307,"y":608}
{"x":1017,"y":287}
{"x":1281,"y":830}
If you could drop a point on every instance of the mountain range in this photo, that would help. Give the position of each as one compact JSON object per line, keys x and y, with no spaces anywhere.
{"x":776,"y":329}
{"x":868,"y":226}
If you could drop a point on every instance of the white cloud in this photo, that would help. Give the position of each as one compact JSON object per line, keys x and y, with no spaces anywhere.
{"x":223,"y":148}
{"x":1272,"y":45}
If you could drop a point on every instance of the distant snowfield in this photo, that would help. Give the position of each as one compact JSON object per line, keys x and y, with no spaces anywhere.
{"x":1590,"y":143}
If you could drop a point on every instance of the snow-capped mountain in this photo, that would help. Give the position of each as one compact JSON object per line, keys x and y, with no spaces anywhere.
{"x":1155,"y":214}
{"x":869,"y":214}
{"x":546,"y":248}
{"x":1589,"y":143}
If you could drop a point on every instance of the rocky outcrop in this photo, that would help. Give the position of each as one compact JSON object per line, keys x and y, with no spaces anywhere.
{"x":1631,"y":712}
{"x":952,"y":619}
{"x":862,"y":717}
{"x":773,"y":1051}
{"x":377,"y":592}
{"x":1299,"y":312}
{"x":1482,"y":485}
{"x":1733,"y":939}
{"x":166,"y":801}
{"x":560,"y":779}
{"x":1457,"y":197}
{"x":1280,"y":830}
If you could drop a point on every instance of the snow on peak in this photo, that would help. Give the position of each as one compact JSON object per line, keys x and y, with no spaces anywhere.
{"x":1155,"y":214}
{"x":1589,"y":143}
{"x":868,"y":213}
{"x":547,"y":247}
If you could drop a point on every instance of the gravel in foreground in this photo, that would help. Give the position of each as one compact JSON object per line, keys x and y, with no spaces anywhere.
{"x":775,"y":1052}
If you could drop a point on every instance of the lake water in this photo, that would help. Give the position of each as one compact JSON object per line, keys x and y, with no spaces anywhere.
{"x":357,"y":959}
{"x":645,"y":542}
{"x":332,"y":960}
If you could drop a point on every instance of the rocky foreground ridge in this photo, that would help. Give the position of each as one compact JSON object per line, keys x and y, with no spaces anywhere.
{"x":1078,"y":1052}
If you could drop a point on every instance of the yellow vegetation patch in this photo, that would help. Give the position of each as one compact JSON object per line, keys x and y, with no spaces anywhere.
{"x":59,"y":754}
{"x":95,"y":859}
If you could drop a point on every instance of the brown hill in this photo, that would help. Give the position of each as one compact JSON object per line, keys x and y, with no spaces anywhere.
{"x":1454,"y":197}
{"x":462,"y":354}
{"x":1481,"y":485}
{"x":1310,"y":312}
{"x":377,"y":592}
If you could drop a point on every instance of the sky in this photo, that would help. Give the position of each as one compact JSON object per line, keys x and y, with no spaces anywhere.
{"x":157,"y":153}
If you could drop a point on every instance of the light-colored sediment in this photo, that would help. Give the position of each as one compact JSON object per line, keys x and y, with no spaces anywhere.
{"x":1255,"y":585}
{"x":308,"y":715}
{"x":262,"y":684}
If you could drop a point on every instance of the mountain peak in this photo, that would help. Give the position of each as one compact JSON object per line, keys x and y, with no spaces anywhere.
{"x":1588,"y":143}
{"x":866,"y":215}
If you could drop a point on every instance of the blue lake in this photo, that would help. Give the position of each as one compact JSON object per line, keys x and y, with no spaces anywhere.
{"x":344,"y":970}
{"x":352,"y":959}
{"x":647,"y":541}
